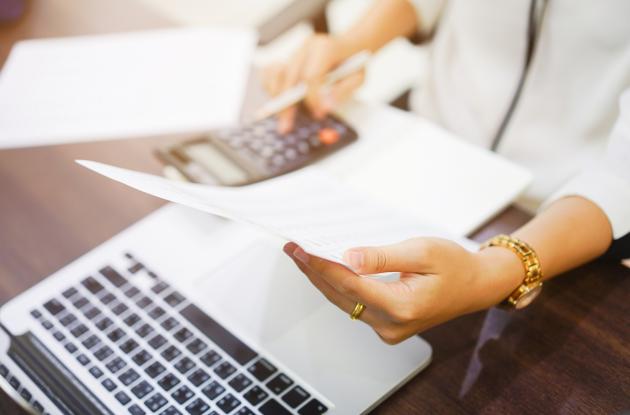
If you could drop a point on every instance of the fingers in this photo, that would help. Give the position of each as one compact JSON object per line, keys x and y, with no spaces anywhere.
{"x":416,"y":255}
{"x":371,"y":292}
{"x":286,"y":120}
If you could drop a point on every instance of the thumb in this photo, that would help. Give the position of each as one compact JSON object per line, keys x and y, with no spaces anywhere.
{"x":413,"y":255}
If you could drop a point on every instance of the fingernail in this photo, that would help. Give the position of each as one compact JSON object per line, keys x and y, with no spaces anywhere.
{"x":288,"y":249}
{"x":355,"y":259}
{"x":300,"y":255}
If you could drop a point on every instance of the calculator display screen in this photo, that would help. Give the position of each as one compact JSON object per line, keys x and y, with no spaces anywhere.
{"x":207,"y":156}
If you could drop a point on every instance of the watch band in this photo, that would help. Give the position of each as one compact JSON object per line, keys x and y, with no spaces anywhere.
{"x":532,"y":282}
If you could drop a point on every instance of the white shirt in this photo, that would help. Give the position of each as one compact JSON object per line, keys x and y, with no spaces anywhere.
{"x":563,"y":121}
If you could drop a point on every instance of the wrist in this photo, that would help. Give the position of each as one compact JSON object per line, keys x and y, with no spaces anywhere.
{"x":498,"y":273}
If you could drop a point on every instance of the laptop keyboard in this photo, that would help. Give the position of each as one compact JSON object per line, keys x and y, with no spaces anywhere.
{"x":156,"y":352}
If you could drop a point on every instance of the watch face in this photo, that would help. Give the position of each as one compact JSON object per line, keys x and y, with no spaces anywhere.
{"x":528,"y":295}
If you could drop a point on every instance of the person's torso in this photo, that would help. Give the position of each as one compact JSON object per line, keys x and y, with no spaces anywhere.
{"x":568,"y":103}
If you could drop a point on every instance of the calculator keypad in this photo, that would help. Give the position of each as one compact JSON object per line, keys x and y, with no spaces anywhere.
{"x":260,"y":145}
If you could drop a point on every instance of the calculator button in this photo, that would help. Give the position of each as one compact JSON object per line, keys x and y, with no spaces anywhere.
{"x":278,"y":160}
{"x":303,"y":147}
{"x":328,"y":136}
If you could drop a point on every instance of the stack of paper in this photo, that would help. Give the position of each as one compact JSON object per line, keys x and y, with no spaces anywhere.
{"x":123,"y":85}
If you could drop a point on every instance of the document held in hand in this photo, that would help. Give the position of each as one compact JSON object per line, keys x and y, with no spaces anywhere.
{"x":307,"y":207}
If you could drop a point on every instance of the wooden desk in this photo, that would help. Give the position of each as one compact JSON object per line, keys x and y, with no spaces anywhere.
{"x":567,"y":353}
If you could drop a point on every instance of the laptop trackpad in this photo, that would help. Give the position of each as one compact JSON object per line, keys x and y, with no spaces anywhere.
{"x":259,"y":290}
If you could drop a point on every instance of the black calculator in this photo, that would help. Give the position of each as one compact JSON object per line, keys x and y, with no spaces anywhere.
{"x":256,"y":151}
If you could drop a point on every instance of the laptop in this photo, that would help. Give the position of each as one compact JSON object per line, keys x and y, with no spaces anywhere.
{"x":187,"y":313}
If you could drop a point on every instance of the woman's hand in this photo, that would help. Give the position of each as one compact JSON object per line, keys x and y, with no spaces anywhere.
{"x":318,"y":56}
{"x":439,"y":280}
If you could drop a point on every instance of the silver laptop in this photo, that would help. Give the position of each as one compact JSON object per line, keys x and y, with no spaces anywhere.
{"x":186,"y":313}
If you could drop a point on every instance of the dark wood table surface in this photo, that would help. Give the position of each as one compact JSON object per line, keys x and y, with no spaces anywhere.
{"x":568,"y":353}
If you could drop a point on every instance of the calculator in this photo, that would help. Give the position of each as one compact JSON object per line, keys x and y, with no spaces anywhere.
{"x":256,"y":151}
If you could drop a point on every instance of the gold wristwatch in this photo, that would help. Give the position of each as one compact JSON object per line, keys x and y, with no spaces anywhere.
{"x":531,"y":286}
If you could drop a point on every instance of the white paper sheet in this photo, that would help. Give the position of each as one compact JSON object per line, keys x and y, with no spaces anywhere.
{"x":123,"y":85}
{"x":308,"y":207}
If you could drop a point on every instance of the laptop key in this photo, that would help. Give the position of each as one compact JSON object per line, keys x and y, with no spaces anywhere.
{"x":144,"y":302}
{"x":174,"y":299}
{"x":104,"y":323}
{"x":116,"y":334}
{"x":144,"y":330}
{"x":132,"y":292}
{"x":91,"y":313}
{"x":198,"y":377}
{"x":115,"y":365}
{"x":120,"y":308}
{"x":79,"y":330}
{"x":273,"y":407}
{"x":244,"y":411}
{"x":142,"y":389}
{"x":170,"y":353}
{"x":159,"y":287}
{"x":83,"y":359}
{"x":157,"y":341}
{"x":224,"y":370}
{"x":128,"y":346}
{"x":255,"y":395}
{"x":228,"y":403}
{"x":183,"y":334}
{"x":240,"y":382}
{"x":313,"y":407}
{"x":128,"y":377}
{"x":109,"y":384}
{"x":182,"y":394}
{"x":136,"y":410}
{"x":107,"y":298}
{"x":103,"y":353}
{"x":96,"y":372}
{"x":123,"y":398}
{"x":141,"y":357}
{"x":92,"y":285}
{"x":91,"y":341}
{"x":210,"y":358}
{"x":170,"y":411}
{"x":262,"y":369}
{"x":67,"y":319}
{"x":197,"y":346}
{"x":168,"y":382}
{"x":155,"y":369}
{"x":197,"y":407}
{"x":184,"y":365}
{"x":70,"y":347}
{"x":213,"y":390}
{"x":155,"y":402}
{"x":156,"y":312}
{"x":170,"y":323}
{"x":131,"y":319}
{"x":69,"y":292}
{"x":113,"y":276}
{"x":279,"y":383}
{"x":296,"y":396}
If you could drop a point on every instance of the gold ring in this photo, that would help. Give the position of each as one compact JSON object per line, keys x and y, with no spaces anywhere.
{"x":358,"y":309}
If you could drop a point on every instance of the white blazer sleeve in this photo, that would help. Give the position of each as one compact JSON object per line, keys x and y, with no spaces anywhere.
{"x":607,"y":183}
{"x":428,"y":13}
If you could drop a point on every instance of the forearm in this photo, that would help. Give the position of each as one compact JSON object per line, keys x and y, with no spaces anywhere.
{"x":571,"y":232}
{"x":385,"y":20}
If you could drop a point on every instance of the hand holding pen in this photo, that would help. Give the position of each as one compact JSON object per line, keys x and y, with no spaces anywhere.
{"x":322,"y":72}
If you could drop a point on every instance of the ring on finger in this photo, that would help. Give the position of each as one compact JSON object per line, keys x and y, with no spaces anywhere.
{"x":358,"y":310}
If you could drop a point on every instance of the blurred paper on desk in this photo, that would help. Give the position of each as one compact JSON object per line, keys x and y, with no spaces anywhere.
{"x":124,"y":85}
